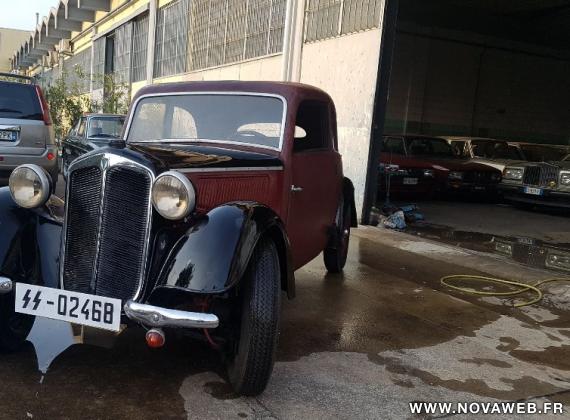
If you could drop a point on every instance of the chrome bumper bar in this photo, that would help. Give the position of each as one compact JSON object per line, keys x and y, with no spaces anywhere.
{"x":154,"y":316}
{"x":6,"y":285}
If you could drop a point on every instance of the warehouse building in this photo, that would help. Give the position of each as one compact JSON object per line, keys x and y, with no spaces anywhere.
{"x":449,"y":67}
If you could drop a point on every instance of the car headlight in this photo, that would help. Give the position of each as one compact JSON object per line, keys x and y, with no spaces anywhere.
{"x":458,"y":176}
{"x":30,"y":186}
{"x":513,"y":173}
{"x":565,"y":178}
{"x":428,"y":173}
{"x":173,"y":195}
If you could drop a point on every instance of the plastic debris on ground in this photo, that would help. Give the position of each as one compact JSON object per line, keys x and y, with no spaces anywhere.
{"x":395,"y":217}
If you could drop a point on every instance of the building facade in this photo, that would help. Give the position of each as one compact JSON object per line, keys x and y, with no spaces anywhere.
{"x":10,"y":40}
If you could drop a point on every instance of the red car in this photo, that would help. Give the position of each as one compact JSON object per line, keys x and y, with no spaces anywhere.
{"x":197,"y":221}
{"x":414,"y":164}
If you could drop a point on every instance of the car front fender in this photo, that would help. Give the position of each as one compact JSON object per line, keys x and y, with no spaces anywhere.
{"x":212,"y":256}
{"x":30,"y":241}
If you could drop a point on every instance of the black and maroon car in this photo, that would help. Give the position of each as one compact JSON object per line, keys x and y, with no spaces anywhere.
{"x":415,"y":164}
{"x":219,"y":192}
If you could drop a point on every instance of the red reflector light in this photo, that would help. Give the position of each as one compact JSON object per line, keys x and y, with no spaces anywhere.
{"x":155,"y":338}
{"x":50,"y":156}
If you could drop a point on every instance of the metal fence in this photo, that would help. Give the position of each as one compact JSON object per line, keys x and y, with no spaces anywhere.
{"x":228,"y":31}
{"x":171,"y":39}
{"x":140,"y":47}
{"x":330,"y":18}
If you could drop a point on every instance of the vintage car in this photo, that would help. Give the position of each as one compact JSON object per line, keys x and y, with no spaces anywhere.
{"x":220,"y":192}
{"x":490,"y":152}
{"x":91,"y":132}
{"x":538,"y":183}
{"x":426,"y":165}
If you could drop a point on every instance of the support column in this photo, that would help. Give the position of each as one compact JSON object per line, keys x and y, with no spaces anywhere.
{"x":297,"y":42}
{"x":151,"y":40}
{"x":288,"y":32}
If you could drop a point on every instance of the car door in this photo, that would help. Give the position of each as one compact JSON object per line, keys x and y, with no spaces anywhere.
{"x":316,"y":174}
{"x":72,"y":144}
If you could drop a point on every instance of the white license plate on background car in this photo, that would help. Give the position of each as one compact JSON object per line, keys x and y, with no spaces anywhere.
{"x":532,"y":191}
{"x":7,"y":135}
{"x":77,"y":308}
{"x":410,"y":181}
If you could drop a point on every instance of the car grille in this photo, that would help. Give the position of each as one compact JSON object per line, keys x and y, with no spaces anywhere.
{"x":106,"y":230}
{"x":540,"y":175}
{"x":478,"y":177}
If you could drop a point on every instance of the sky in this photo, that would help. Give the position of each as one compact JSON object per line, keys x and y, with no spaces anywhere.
{"x":21,"y":14}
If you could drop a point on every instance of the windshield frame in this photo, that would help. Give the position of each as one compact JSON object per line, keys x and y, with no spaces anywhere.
{"x":103,"y":117}
{"x":409,"y":139}
{"x":135,"y":105}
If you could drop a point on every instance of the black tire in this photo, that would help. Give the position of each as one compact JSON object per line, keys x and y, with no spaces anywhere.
{"x":252,"y":356}
{"x":336,"y":252}
{"x":14,"y":327}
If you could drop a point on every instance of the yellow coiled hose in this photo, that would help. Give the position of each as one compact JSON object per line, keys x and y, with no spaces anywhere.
{"x":520,"y":287}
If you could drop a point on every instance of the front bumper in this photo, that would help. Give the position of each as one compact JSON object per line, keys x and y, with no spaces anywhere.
{"x":150,"y":316}
{"x":156,"y":317}
{"x":11,"y":162}
{"x":550,"y":198}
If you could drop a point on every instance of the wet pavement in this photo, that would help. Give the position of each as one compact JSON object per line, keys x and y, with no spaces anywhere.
{"x":358,"y":345}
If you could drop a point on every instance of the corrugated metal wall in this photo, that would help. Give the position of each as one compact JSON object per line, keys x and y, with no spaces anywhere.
{"x":122,"y":53}
{"x":140,"y":48}
{"x":171,"y":39}
{"x":98,"y":62}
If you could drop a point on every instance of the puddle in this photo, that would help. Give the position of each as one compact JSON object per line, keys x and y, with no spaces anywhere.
{"x":526,"y":251}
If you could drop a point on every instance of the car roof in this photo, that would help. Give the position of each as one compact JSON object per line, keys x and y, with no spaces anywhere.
{"x":474,"y":138}
{"x":415,"y":136}
{"x":288,"y":90}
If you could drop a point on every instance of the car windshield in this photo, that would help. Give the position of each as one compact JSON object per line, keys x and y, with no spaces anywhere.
{"x":495,"y":150}
{"x":542,"y":153}
{"x":105,"y":127}
{"x":248,"y":119}
{"x":427,"y":146}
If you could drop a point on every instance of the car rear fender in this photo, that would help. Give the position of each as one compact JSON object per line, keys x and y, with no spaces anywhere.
{"x":212,"y":256}
{"x":29,"y":242}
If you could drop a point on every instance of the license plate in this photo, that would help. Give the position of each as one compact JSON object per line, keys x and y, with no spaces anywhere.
{"x":410,"y":181}
{"x":77,"y":308}
{"x":7,"y":135}
{"x":533,"y":191}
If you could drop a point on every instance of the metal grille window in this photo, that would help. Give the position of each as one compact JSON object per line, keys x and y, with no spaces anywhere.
{"x":171,"y":39}
{"x":98,"y":62}
{"x":78,"y":71}
{"x":330,"y":18}
{"x":122,"y":53}
{"x":228,"y":31}
{"x":140,"y":47}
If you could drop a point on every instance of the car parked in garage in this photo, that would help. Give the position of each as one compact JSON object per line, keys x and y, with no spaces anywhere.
{"x":91,"y":132}
{"x":542,"y":183}
{"x":490,"y":152}
{"x":424,"y":164}
{"x":26,"y":131}
{"x":221,"y":192}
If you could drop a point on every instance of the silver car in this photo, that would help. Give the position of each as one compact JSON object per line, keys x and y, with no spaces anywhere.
{"x":26,"y":131}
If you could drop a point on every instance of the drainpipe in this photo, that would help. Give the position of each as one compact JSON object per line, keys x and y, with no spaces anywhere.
{"x":298,"y":38}
{"x":151,"y":39}
{"x":287,"y":40}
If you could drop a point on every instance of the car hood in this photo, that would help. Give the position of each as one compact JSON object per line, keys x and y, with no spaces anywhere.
{"x":499,"y":164}
{"x":456,"y":164}
{"x":168,"y":156}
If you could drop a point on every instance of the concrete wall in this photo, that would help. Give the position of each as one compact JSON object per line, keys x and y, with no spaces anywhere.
{"x":447,"y":87}
{"x":346,"y":68}
{"x":10,"y":41}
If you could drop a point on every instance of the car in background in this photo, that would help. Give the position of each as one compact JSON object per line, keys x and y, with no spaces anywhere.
{"x":91,"y":132}
{"x":534,"y":152}
{"x":491,"y":152}
{"x":26,"y":131}
{"x":538,"y":183}
{"x":427,"y":165}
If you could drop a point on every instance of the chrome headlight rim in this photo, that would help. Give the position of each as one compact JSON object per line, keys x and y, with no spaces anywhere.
{"x":508,"y":173}
{"x":188,"y":189}
{"x":565,"y":178}
{"x":45,"y":181}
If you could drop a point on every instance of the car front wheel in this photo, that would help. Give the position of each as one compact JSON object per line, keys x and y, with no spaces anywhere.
{"x":252,"y":354}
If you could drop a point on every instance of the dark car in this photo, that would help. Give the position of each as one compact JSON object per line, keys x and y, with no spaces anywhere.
{"x":538,"y":183}
{"x":91,"y":132}
{"x":26,"y":130}
{"x":222,"y":191}
{"x":426,"y":165}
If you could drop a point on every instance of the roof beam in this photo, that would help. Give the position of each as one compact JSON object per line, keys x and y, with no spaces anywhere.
{"x":95,"y":5}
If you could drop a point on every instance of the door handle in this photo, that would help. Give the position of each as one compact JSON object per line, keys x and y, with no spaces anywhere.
{"x":296,"y":189}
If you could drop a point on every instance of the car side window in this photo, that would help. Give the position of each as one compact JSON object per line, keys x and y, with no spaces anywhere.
{"x":312,"y":127}
{"x":459,"y":148}
{"x":81,"y":127}
{"x":394,"y":145}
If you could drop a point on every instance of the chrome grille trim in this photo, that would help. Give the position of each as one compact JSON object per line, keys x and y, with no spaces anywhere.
{"x":540,"y":175}
{"x":106,"y":161}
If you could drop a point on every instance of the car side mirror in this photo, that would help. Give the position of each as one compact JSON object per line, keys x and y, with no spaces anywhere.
{"x":118,"y":143}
